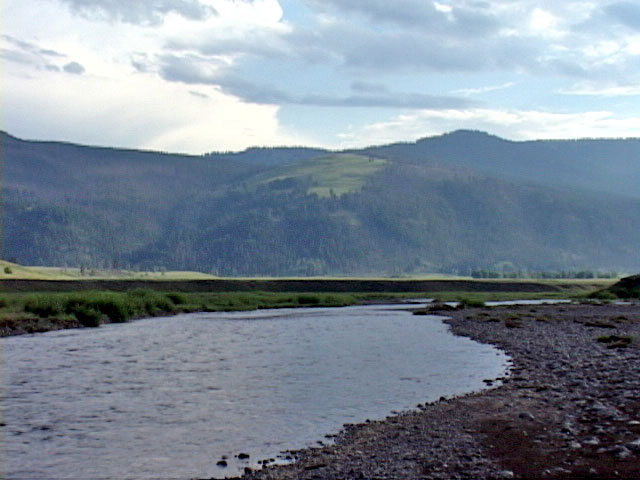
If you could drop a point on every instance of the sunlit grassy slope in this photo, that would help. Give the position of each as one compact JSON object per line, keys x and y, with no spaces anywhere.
{"x":335,"y":174}
{"x":57,"y":273}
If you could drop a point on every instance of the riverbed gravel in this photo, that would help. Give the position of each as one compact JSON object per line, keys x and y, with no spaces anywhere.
{"x":569,"y":408}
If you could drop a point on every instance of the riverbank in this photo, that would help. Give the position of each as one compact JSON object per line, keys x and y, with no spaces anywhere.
{"x":23,"y":313}
{"x":35,"y":306}
{"x":306,"y":285}
{"x":569,"y":409}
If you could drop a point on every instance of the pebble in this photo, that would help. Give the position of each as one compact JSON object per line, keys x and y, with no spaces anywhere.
{"x":634,"y":446}
{"x":505,"y":474}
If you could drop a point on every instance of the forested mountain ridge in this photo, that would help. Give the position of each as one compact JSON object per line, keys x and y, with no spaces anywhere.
{"x":606,"y":165}
{"x":451,"y":203}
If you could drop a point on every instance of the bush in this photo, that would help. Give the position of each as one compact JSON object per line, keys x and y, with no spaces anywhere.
{"x":308,"y":299}
{"x":43,"y":306}
{"x":150,"y":302}
{"x":470,"y":302}
{"x":8,"y":270}
{"x":602,"y":295}
{"x":176,"y":298}
{"x":88,"y":317}
{"x":112,"y":307}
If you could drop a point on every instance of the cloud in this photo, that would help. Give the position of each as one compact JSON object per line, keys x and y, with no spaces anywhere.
{"x":27,"y":53}
{"x":389,"y":100}
{"x":595,"y":90}
{"x":403,"y":12}
{"x":30,"y":47}
{"x":33,"y":56}
{"x":626,"y":13}
{"x":369,"y":87}
{"x":467,"y":92}
{"x":197,"y":70}
{"x":471,"y":20}
{"x":142,"y":12}
{"x":140,"y":112}
{"x":512,"y":124}
{"x":74,"y":68}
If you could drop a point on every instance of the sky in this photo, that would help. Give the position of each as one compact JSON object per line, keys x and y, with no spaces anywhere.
{"x":198,"y":76}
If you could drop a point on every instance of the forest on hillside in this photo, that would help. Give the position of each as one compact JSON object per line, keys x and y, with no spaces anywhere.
{"x":233,"y":214}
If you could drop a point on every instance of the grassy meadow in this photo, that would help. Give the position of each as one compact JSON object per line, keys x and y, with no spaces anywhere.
{"x":10,"y":270}
{"x":332,"y":174}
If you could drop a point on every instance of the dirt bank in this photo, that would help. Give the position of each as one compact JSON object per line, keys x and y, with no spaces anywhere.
{"x":277,"y":285}
{"x":569,"y":410}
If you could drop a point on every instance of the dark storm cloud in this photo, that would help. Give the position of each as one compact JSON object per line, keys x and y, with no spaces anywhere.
{"x":144,"y":12}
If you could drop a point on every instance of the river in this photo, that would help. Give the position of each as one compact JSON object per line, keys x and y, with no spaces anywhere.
{"x":170,"y":397}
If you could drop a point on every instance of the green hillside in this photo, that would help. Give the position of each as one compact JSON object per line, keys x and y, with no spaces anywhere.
{"x":328,"y":175}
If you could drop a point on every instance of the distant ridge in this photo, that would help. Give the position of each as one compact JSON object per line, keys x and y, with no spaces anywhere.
{"x":607,"y":165}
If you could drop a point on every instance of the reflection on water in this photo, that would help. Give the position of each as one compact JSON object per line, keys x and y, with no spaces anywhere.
{"x":169,"y":397}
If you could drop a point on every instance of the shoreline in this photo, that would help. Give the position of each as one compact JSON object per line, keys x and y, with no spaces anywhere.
{"x":570,"y":408}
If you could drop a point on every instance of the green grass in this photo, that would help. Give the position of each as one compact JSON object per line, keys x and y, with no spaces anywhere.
{"x":20,"y":272}
{"x":478,"y":298}
{"x":52,"y":310}
{"x":93,"y":308}
{"x":338,"y":174}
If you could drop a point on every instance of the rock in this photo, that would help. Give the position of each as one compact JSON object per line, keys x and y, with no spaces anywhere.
{"x":555,"y":471}
{"x":620,"y":451}
{"x":567,"y":428}
{"x":222,"y":463}
{"x":315,"y":466}
{"x":634,"y":446}
{"x":526,"y":416}
{"x":593,"y":441}
{"x":505,"y":474}
{"x":243,"y":456}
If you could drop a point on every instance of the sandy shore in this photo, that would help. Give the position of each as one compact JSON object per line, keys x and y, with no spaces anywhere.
{"x":569,"y":410}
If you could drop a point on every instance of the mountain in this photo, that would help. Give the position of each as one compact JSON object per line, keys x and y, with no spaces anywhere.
{"x":603,"y":165}
{"x":453,"y":203}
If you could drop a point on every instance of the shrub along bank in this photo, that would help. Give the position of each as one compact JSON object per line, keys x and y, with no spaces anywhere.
{"x":38,"y":312}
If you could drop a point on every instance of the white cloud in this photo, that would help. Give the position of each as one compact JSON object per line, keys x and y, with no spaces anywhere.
{"x":595,"y":90}
{"x":108,"y":101}
{"x":542,"y":21}
{"x":145,"y":12}
{"x":467,"y":92}
{"x":141,"y":111}
{"x":511,"y":124}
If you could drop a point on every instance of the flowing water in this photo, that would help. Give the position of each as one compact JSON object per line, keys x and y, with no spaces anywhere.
{"x":169,"y":397}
